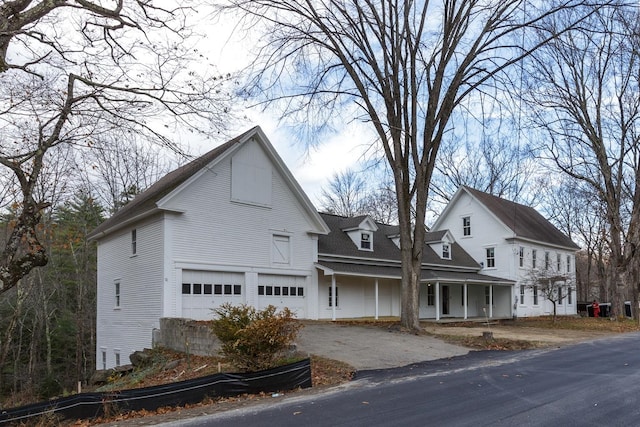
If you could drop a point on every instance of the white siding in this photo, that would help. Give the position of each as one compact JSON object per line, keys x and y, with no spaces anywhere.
{"x":129,"y":327}
{"x":215,"y":230}
{"x":487,"y":231}
{"x":356,"y":297}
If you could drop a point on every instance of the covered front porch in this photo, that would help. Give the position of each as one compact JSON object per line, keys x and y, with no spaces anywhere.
{"x":348,"y":291}
{"x":447,"y":300}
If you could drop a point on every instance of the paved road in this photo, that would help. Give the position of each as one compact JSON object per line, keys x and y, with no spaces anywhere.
{"x":370,"y":347}
{"x":595,"y":383}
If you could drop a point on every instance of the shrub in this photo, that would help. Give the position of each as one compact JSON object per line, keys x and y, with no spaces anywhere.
{"x":253,"y":340}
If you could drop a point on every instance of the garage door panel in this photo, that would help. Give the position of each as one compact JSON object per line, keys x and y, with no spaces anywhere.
{"x":283,"y":291}
{"x":203,"y":291}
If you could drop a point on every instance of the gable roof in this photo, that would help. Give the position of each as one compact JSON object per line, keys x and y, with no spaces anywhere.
{"x":146,"y":203}
{"x":337,"y":244}
{"x":524,"y":221}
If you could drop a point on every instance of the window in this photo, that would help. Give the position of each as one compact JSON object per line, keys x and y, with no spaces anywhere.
{"x":117,"y":293}
{"x":569,"y":265}
{"x":491,"y":257}
{"x":273,"y":290}
{"x":446,"y":251}
{"x":522,"y":288}
{"x":186,"y":288}
{"x":217,"y":289}
{"x":104,"y":360}
{"x":535,"y":295}
{"x":237,"y":289}
{"x":560,"y":295}
{"x":431,"y":297}
{"x":488,"y":295}
{"x":331,"y":296}
{"x":208,"y":288}
{"x":365,"y":241}
{"x":466,"y":226}
{"x":569,"y":296}
{"x":534,"y":256}
{"x":521,"y":256}
{"x":547,"y":260}
{"x":197,"y":288}
{"x":134,"y":241}
{"x":117,"y":354}
{"x":558,"y":262}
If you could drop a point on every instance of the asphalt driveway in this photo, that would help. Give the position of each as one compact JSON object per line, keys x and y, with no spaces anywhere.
{"x":370,"y":347}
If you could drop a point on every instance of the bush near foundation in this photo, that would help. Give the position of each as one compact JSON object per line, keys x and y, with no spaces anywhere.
{"x":253,"y":340}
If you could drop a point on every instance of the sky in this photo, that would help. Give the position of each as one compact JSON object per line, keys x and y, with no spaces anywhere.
{"x":314,"y":167}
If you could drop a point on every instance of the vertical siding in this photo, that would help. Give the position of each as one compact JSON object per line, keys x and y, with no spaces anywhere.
{"x":129,"y":327}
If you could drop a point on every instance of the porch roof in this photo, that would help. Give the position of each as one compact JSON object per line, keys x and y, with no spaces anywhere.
{"x":395,"y":272}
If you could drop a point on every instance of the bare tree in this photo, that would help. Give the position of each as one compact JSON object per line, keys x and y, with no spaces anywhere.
{"x":494,"y":165}
{"x":552,"y":285}
{"x":346,"y":194}
{"x":406,"y":65}
{"x":118,"y":167}
{"x":350,"y":193}
{"x":585,"y":93}
{"x":73,"y":70}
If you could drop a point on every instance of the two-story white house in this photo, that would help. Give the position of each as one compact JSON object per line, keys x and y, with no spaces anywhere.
{"x":514,"y":242}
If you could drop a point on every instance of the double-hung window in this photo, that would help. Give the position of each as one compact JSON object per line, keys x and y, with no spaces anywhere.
{"x":446,"y":251}
{"x":491,"y":257}
{"x":466,"y":226}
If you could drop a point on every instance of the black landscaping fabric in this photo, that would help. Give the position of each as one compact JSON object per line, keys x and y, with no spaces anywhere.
{"x":91,"y":405}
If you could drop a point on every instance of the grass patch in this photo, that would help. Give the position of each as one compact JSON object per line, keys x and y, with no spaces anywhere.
{"x":481,"y":343}
{"x":577,"y":323}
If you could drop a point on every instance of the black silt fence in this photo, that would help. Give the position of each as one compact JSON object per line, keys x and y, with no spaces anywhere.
{"x":91,"y":405}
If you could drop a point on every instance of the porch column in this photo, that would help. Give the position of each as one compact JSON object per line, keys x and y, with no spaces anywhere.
{"x":333,"y":297}
{"x":376,"y":294}
{"x":466,"y":300}
{"x":491,"y":302}
{"x":437,"y":301}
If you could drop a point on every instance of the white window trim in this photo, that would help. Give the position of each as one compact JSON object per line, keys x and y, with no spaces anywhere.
{"x":465,"y":236}
{"x":369,"y":239}
{"x":134,"y":242}
{"x":275,"y":235}
{"x":117,"y":294}
{"x":446,"y":255}
{"x":486,"y":257}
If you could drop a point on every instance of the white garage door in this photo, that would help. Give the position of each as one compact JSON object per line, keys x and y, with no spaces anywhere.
{"x":283,"y":291}
{"x":203,"y":291}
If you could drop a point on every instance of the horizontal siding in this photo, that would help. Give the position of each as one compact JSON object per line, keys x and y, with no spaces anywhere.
{"x":129,"y":327}
{"x":213,"y":229}
{"x":487,"y":231}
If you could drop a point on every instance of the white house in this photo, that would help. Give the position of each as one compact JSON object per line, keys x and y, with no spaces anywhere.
{"x":515,"y":242}
{"x":231,"y":226}
{"x":235,"y":226}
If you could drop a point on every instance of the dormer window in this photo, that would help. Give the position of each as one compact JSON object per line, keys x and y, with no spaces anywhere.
{"x":365,"y":241}
{"x":446,"y":251}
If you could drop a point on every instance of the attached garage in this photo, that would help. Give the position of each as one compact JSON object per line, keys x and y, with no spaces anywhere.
{"x":203,"y":291}
{"x":283,"y":291}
